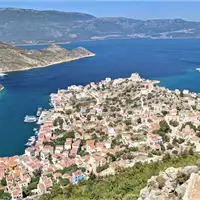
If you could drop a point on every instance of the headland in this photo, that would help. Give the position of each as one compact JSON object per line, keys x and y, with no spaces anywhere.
{"x":19,"y":59}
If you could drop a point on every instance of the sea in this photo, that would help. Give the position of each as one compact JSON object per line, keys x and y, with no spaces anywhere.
{"x":172,"y":61}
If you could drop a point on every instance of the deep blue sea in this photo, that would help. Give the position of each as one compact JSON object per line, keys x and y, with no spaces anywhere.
{"x":171,"y":61}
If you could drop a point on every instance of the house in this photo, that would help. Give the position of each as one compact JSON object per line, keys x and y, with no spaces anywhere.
{"x":59,"y":148}
{"x":74,"y":151}
{"x":77,"y":176}
{"x":56,"y":158}
{"x":111,"y":132}
{"x":46,"y":151}
{"x":45,"y":185}
{"x":90,"y":147}
{"x":83,"y":109}
{"x":100,"y":146}
{"x":30,"y":151}
{"x":75,"y":148}
{"x":16,"y":194}
{"x":68,"y":144}
{"x":188,"y":132}
{"x":56,"y":176}
{"x":41,"y":189}
{"x":154,"y":140}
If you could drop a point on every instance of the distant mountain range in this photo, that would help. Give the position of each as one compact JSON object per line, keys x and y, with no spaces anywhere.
{"x":20,"y":26}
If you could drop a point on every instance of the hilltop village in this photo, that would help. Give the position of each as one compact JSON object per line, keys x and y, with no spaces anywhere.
{"x":97,"y":128}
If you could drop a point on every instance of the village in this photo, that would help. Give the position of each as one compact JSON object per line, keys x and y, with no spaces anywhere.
{"x":97,"y":128}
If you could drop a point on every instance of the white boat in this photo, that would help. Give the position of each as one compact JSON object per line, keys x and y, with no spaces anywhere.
{"x":198,"y":69}
{"x":30,"y":119}
{"x":39,"y":112}
{"x":3,"y":74}
{"x":32,"y":138}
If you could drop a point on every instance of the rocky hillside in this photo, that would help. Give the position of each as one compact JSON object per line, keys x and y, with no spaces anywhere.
{"x":15,"y":59}
{"x":31,"y":26}
{"x":172,"y":184}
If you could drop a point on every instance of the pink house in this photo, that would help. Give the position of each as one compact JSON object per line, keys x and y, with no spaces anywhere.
{"x":90,"y":147}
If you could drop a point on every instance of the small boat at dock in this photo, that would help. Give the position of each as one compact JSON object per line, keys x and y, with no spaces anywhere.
{"x":39,"y":112}
{"x":30,"y":119}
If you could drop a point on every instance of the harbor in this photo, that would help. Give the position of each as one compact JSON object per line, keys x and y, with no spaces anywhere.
{"x":40,"y":118}
{"x":33,"y":119}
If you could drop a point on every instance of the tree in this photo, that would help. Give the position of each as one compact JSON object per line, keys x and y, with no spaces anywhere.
{"x":170,"y":146}
{"x":164,"y":127}
{"x":191,"y":152}
{"x":112,"y":156}
{"x":162,"y":147}
{"x":139,"y":120}
{"x":173,"y":123}
{"x":166,"y":157}
{"x":164,"y":112}
{"x":3,"y":181}
{"x":198,"y":134}
{"x":64,"y":182}
{"x":101,"y":168}
{"x":181,"y":94}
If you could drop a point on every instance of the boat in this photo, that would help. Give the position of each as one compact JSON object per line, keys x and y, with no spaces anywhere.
{"x":31,"y":141}
{"x":30,"y":119}
{"x":3,"y":74}
{"x":39,"y":112}
{"x":29,"y":144}
{"x":198,"y":69}
{"x":32,"y":138}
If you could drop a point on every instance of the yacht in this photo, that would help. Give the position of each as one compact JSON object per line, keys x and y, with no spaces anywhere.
{"x":30,"y":119}
{"x":3,"y":74}
{"x":198,"y":69}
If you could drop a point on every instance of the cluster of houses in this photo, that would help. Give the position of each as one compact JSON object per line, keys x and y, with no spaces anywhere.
{"x":103,"y":126}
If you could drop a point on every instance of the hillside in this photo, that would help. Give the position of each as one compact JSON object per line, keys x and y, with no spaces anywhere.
{"x":16,"y":59}
{"x":20,"y":26}
{"x":125,"y":185}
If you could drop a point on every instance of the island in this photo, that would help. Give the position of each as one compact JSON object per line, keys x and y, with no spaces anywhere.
{"x":17,"y":59}
{"x":111,"y":136}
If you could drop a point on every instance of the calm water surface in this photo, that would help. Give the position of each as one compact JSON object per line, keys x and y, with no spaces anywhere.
{"x":171,"y":61}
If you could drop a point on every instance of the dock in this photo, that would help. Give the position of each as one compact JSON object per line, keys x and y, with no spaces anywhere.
{"x":45,"y":115}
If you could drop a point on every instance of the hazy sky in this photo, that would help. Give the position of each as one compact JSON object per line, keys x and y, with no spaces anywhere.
{"x":135,"y":9}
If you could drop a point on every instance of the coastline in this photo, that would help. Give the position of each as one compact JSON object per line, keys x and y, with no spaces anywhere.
{"x":94,"y":40}
{"x":50,"y":64}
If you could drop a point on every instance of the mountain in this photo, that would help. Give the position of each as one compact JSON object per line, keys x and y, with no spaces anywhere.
{"x":16,"y":59}
{"x":20,"y":26}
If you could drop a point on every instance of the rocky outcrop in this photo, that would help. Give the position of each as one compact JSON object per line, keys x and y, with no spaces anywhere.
{"x":1,"y":87}
{"x":16,"y":59}
{"x":171,"y":184}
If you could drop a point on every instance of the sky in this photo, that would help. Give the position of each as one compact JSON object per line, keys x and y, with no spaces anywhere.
{"x":158,"y":9}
